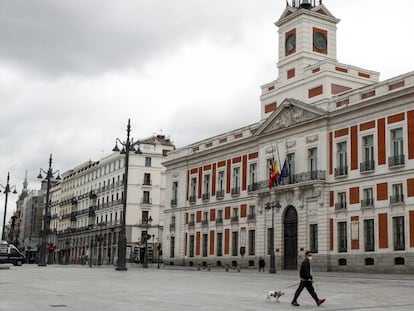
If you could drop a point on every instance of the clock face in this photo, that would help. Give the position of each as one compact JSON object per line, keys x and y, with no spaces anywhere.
{"x":290,"y":43}
{"x":319,"y":41}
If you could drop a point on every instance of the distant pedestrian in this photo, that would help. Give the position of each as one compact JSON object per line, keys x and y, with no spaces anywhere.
{"x":261,"y":264}
{"x":306,"y":280}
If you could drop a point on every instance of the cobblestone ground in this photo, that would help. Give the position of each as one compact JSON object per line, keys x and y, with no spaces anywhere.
{"x":79,"y":288}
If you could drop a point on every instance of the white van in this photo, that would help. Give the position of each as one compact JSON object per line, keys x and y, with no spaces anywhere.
{"x":10,"y":254}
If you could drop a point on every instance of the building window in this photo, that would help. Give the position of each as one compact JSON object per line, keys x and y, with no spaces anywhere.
{"x":219,"y":244}
{"x":236,"y":181}
{"x":147,"y":179}
{"x":368,"y":163}
{"x":220,"y":184}
{"x":253,"y":174}
{"x":368,"y":198}
{"x":341,"y":201}
{"x":146,"y":197}
{"x":369,"y":235}
{"x":342,"y":161}
{"x":193,"y":197}
{"x":205,"y":244}
{"x":206,"y":187}
{"x":342,"y":237}
{"x":147,"y":161}
{"x":397,"y":148}
{"x":191,"y":250}
{"x":252,"y":242}
{"x":174,"y":193}
{"x":234,"y":243}
{"x":144,"y":216}
{"x":172,"y":247}
{"x":397,"y":194}
{"x":291,"y":164}
{"x":313,"y":159}
{"x":398,"y":232}
{"x":313,"y":235}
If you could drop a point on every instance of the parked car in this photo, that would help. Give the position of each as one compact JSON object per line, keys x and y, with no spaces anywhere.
{"x":10,"y":254}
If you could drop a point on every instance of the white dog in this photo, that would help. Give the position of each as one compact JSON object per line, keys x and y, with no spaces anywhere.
{"x":275,"y":294}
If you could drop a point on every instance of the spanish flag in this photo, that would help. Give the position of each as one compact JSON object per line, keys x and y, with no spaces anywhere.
{"x":274,"y":174}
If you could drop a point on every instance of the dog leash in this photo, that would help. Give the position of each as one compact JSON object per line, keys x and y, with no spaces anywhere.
{"x":293,"y":285}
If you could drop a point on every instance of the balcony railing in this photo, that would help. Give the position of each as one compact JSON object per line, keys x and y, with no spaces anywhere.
{"x":206,"y":197}
{"x":146,"y":201}
{"x":147,"y":182}
{"x":174,"y":202}
{"x":193,"y":199}
{"x":398,"y":160}
{"x":191,"y":224}
{"x":235,"y":191}
{"x":251,"y":217}
{"x":304,"y":177}
{"x":395,"y":199}
{"x":234,"y":219}
{"x":204,"y":223}
{"x":219,"y":194}
{"x":340,"y":206}
{"x":219,"y":221}
{"x":341,"y":171}
{"x":367,"y":166}
{"x":367,"y":203}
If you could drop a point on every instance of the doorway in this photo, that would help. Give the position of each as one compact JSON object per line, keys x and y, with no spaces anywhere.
{"x":290,"y":226}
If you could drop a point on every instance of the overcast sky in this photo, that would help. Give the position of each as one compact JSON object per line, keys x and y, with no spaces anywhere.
{"x":73,"y":72}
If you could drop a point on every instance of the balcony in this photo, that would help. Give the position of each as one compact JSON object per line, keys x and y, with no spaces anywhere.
{"x":341,"y":171}
{"x":73,"y":216}
{"x":147,"y":182}
{"x":206,"y":197}
{"x":234,"y":219}
{"x":204,"y":223}
{"x":191,"y":224}
{"x":395,"y":161}
{"x":173,"y":202}
{"x":397,"y":199}
{"x":172,"y":227}
{"x":193,"y":199}
{"x":366,"y":203}
{"x":251,"y":217}
{"x":253,"y":187}
{"x":340,"y":206}
{"x":147,"y":201}
{"x":367,"y":166}
{"x":219,"y":221}
{"x":219,"y":194}
{"x":235,"y":191}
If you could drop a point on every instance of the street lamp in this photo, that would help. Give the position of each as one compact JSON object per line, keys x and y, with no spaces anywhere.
{"x":46,"y":217}
{"x":148,"y":222}
{"x":127,"y":147}
{"x":6,"y":189}
{"x":100,"y":240}
{"x":272,"y":205}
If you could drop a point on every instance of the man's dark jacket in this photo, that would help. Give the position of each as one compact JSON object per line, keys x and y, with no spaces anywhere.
{"x":305,"y":273}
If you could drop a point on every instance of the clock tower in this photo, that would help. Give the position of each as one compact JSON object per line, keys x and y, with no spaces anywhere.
{"x":307,"y":62}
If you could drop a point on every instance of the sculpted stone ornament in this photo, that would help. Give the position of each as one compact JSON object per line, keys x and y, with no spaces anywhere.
{"x":289,"y":116}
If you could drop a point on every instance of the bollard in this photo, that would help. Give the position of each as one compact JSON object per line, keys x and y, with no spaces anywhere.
{"x":199,"y":267}
{"x":227,"y":268}
{"x":238,"y":268}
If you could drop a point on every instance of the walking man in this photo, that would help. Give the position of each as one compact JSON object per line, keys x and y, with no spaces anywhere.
{"x":306,"y":280}
{"x":261,"y":264}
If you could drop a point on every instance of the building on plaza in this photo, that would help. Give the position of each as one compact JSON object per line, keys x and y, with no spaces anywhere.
{"x":87,"y":220}
{"x":346,"y":142}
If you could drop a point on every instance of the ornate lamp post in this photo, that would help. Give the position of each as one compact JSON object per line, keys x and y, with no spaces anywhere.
{"x":272,"y":205}
{"x":46,"y":217}
{"x":127,"y":147}
{"x":100,"y":240}
{"x":148,"y":223}
{"x":6,"y":189}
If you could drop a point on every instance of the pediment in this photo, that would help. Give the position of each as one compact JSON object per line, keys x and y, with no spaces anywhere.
{"x":290,"y":113}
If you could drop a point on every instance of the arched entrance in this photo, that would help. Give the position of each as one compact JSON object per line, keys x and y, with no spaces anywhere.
{"x":290,"y":229}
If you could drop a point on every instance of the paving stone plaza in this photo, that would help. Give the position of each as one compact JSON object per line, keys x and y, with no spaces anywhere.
{"x":80,"y":288}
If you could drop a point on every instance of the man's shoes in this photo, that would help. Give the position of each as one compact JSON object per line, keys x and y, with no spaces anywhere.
{"x":294,"y":303}
{"x":320,"y":301}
